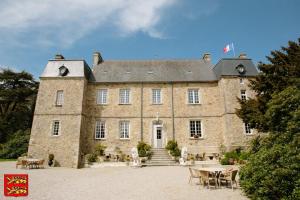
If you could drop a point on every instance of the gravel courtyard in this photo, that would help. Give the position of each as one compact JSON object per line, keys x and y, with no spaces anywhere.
{"x":124,"y":183}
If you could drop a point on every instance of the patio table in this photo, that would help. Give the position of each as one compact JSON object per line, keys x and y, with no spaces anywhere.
{"x":32,"y":162}
{"x":216,"y":170}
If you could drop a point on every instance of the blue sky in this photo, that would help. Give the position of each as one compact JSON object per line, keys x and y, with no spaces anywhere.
{"x":32,"y":31}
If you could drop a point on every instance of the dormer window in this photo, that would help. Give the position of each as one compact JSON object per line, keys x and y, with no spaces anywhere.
{"x":63,"y":71}
{"x":241,"y":69}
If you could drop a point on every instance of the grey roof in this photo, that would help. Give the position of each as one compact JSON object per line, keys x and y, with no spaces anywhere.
{"x":154,"y":71}
{"x":77,"y":68}
{"x":227,"y":67}
{"x":151,"y":70}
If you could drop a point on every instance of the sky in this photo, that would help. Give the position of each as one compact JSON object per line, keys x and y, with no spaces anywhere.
{"x":33,"y":31}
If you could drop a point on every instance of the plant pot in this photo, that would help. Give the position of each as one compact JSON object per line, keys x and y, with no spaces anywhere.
{"x":50,"y":163}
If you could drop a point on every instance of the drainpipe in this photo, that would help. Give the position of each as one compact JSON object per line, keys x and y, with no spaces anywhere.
{"x":142,"y":99}
{"x":172,"y":102}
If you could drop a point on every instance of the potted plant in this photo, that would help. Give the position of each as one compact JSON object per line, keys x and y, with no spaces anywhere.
{"x":50,"y":159}
{"x":127,"y":159}
{"x":192,"y":158}
{"x":99,"y":151}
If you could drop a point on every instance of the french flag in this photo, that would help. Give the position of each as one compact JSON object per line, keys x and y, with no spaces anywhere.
{"x":228,"y":48}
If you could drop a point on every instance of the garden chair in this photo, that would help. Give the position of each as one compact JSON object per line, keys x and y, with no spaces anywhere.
{"x":230,"y":176}
{"x":207,"y":177}
{"x":193,"y":174}
{"x":41,"y":164}
{"x":19,"y":162}
{"x":24,"y":164}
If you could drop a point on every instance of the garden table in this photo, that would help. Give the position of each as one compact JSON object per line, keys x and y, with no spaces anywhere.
{"x":216,"y":170}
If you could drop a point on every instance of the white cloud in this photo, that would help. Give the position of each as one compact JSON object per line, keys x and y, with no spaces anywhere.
{"x":65,"y":21}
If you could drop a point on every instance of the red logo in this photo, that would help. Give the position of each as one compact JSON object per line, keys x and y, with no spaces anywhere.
{"x":15,"y":185}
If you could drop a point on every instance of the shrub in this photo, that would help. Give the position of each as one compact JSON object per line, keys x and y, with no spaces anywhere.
{"x":51,"y":156}
{"x":16,"y":145}
{"x":236,"y":155}
{"x":172,"y":146}
{"x":99,"y":149}
{"x":91,"y":157}
{"x":273,"y":171}
{"x":144,"y":149}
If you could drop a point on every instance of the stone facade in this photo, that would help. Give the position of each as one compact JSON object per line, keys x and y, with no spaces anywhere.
{"x":79,"y":112}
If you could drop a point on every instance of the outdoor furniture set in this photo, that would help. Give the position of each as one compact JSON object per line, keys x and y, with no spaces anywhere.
{"x":215,"y":175}
{"x":30,"y":163}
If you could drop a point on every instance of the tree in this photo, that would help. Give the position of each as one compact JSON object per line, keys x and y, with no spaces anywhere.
{"x":282,"y":71}
{"x":272,"y":170}
{"x":17,"y":99}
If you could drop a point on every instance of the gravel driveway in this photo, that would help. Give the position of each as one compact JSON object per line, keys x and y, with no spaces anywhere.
{"x":110,"y":183}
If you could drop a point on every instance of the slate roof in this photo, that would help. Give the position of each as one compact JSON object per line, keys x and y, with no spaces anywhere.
{"x":130,"y":71}
{"x":154,"y":71}
{"x":227,"y":67}
{"x":77,"y":68}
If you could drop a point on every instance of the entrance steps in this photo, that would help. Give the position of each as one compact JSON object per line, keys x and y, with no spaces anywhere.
{"x":160,"y":157}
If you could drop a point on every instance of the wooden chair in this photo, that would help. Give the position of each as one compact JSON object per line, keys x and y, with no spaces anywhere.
{"x":229,"y":177}
{"x":41,"y":164}
{"x":207,"y":177}
{"x":19,"y":162}
{"x":24,"y":163}
{"x":193,"y":174}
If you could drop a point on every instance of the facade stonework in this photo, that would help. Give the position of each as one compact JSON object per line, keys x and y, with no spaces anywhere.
{"x":79,"y":112}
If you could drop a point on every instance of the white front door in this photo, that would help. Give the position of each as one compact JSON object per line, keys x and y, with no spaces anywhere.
{"x":158,"y":137}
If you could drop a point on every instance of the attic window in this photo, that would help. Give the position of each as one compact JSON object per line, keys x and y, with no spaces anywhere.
{"x":150,"y":72}
{"x":241,"y":69}
{"x":63,"y":71}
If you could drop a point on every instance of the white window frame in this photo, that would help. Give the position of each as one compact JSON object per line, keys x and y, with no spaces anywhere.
{"x":156,"y":99}
{"x":121,"y":98}
{"x":59,"y":98}
{"x":53,"y":128}
{"x":247,"y":129}
{"x":242,"y":81}
{"x":99,"y":127}
{"x":102,"y":99}
{"x":121,"y":133}
{"x":201,"y":128}
{"x":244,"y":95}
{"x":193,"y":100}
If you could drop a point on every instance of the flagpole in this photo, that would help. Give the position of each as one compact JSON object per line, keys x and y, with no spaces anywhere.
{"x":233,"y":49}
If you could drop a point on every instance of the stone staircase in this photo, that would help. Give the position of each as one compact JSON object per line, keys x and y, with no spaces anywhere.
{"x":160,"y":157}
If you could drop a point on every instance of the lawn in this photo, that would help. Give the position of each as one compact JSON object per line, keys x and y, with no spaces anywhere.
{"x":5,"y":159}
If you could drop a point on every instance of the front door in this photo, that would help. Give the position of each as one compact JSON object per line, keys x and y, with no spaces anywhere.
{"x":158,"y":137}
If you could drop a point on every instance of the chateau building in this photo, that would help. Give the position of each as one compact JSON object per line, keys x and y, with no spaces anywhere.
{"x":119,"y":103}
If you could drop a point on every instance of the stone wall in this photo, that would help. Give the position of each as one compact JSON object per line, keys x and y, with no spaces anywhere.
{"x":66,"y":146}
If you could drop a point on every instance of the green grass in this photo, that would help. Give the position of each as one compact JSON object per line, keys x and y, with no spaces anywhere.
{"x":4,"y":159}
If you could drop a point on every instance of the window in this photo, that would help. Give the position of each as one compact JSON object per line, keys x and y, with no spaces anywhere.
{"x":124,"y":130}
{"x":248,"y":129}
{"x":55,"y":128}
{"x":59,"y":97}
{"x":243,"y":95}
{"x":156,"y":96}
{"x":100,"y":130}
{"x":102,"y":96}
{"x":241,"y":81}
{"x":124,"y":96}
{"x":193,"y":96}
{"x":195,"y":129}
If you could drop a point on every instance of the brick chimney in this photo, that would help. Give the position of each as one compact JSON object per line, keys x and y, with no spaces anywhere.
{"x":206,"y":57}
{"x":59,"y":57}
{"x":97,"y":58}
{"x":243,"y":55}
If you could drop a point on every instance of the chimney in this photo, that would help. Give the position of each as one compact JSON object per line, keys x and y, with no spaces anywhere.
{"x":97,"y":58}
{"x":243,"y":55}
{"x":206,"y":57}
{"x":59,"y":57}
